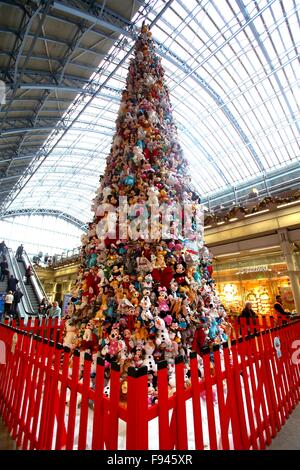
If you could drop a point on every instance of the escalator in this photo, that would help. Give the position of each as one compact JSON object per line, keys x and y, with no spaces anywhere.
{"x":34,"y":289}
{"x":34,"y":301}
{"x":25,"y":308}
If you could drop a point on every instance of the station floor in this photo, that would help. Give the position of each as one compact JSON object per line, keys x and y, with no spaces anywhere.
{"x":287,"y":439}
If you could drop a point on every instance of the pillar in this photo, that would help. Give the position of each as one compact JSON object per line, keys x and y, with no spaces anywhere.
{"x":288,"y":251}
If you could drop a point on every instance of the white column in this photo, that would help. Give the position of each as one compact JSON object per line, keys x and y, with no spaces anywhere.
{"x":288,"y":251}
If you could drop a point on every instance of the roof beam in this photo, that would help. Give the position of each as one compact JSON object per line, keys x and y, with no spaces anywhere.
{"x":79,"y":13}
{"x":42,"y":212}
{"x":255,"y":33}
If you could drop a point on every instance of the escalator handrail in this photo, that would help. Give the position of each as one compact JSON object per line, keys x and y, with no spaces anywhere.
{"x":17,"y":273}
{"x":42,"y":294}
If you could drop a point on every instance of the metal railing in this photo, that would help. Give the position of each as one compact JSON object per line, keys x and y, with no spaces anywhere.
{"x":25,"y":306}
{"x":36,"y":283}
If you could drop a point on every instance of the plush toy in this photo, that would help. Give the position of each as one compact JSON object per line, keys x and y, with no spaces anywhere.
{"x":162,"y":300}
{"x":162,"y":332}
{"x":70,"y":334}
{"x":145,"y":303}
{"x":149,"y":359}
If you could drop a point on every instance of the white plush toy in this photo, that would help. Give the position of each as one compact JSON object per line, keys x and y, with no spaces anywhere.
{"x":145,"y":303}
{"x":138,"y":155}
{"x":153,"y":196}
{"x":162,"y":332}
{"x":149,"y":359}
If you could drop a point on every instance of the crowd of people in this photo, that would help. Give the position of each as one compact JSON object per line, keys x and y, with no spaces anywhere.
{"x":248,"y":313}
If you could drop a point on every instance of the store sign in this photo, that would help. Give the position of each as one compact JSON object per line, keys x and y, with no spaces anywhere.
{"x":255,"y":269}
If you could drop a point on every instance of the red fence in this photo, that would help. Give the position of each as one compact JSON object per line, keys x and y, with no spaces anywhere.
{"x":236,"y":397}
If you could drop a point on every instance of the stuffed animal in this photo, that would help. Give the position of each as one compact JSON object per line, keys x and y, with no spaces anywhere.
{"x":145,"y":303}
{"x":149,"y":359}
{"x":162,"y":332}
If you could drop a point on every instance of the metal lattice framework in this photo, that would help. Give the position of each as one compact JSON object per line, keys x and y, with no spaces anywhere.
{"x":44,"y":212}
{"x":232,"y":72}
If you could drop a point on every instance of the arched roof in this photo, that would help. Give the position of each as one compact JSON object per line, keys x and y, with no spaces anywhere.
{"x":232,"y":70}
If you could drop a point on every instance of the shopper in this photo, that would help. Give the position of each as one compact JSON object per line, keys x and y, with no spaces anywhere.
{"x":9,"y":298}
{"x":3,"y":269}
{"x":43,"y":307}
{"x":12,"y":283}
{"x":19,"y":252}
{"x":248,"y":313}
{"x":278,"y":307}
{"x":54,"y":311}
{"x":28,"y":274}
{"x":17,"y":299}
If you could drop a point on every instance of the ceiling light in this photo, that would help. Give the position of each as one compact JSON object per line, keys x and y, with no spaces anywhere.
{"x":228,"y":254}
{"x":265,"y":248}
{"x":233,"y":219}
{"x":207,"y":226}
{"x":288,"y":204}
{"x":256,"y":213}
{"x":220,"y":223}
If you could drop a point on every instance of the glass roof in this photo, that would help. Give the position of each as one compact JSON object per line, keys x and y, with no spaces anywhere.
{"x":232,"y":74}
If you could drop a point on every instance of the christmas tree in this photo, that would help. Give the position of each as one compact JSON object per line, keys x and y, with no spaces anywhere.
{"x":144,"y":290}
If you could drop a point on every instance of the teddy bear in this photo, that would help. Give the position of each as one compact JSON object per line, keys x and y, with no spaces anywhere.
{"x":153,"y":194}
{"x":70,"y":334}
{"x":149,"y":361}
{"x":138,"y":155}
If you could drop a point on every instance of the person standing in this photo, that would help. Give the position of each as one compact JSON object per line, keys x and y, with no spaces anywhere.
{"x":28,"y":274}
{"x":43,"y":306}
{"x":2,"y":248}
{"x":279,"y":310}
{"x":3,"y":269}
{"x":19,"y":252}
{"x":9,"y":298}
{"x":12,"y":284}
{"x":54,"y":312}
{"x":17,"y":299}
{"x":248,"y":313}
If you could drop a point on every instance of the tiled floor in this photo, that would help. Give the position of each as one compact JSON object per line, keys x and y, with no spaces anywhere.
{"x":289,"y":436}
{"x":287,"y":439}
{"x":6,"y":442}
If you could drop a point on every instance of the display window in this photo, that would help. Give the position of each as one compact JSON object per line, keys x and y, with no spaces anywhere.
{"x":241,"y":282}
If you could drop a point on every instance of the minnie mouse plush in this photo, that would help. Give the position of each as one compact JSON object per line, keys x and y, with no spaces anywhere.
{"x":180,"y":274}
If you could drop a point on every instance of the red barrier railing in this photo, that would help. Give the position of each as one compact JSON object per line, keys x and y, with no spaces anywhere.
{"x":235,"y":396}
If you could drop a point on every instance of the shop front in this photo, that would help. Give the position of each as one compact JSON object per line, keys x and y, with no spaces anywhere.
{"x":256,"y":280}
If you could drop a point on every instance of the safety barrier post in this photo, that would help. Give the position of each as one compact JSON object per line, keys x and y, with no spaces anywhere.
{"x":98,"y":419}
{"x":84,"y":405}
{"x":62,"y":399}
{"x":196,"y":390}
{"x":223,"y":409}
{"x":209,"y":399}
{"x":114,"y":399}
{"x":245,"y":378}
{"x":137,"y":409}
{"x":36,"y":354}
{"x":73,"y":400}
{"x":163,"y":409}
